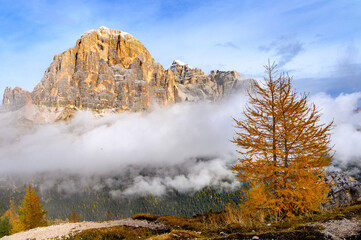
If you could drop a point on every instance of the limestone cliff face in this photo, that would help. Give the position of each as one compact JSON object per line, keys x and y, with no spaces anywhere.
{"x":110,"y":69}
{"x":14,"y":99}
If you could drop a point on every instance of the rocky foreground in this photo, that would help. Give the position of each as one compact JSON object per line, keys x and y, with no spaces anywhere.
{"x":68,"y":229}
{"x":343,"y":223}
{"x":340,"y":221}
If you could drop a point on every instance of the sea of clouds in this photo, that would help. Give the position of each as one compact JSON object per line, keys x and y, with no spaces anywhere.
{"x":183,"y":147}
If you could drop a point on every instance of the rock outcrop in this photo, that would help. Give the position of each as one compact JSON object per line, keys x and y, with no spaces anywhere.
{"x":110,"y":69}
{"x":14,"y":99}
{"x":345,"y":189}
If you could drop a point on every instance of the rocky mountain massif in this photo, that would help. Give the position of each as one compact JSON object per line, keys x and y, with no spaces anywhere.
{"x":110,"y":69}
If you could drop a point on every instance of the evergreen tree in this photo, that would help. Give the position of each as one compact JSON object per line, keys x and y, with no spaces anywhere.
{"x":32,"y":214}
{"x":5,"y":227}
{"x":13,"y":216}
{"x":283,"y":150}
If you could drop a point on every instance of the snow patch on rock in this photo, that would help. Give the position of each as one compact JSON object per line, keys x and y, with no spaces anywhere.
{"x":178,"y":62}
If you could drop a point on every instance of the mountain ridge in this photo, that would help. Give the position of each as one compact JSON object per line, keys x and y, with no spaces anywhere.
{"x":110,"y":69}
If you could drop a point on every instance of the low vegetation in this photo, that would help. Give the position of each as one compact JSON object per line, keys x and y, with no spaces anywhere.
{"x":114,"y":233}
{"x":228,"y":224}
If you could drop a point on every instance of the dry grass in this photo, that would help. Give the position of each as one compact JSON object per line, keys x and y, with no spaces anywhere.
{"x":121,"y":232}
{"x":145,"y":216}
{"x":234,"y":217}
{"x":177,"y":234}
{"x":211,"y":223}
{"x":175,"y":222}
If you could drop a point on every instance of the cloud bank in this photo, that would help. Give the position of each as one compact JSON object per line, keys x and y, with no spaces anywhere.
{"x":181,"y":148}
{"x":346,"y":135}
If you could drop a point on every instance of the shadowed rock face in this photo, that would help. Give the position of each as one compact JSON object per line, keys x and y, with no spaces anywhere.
{"x":110,"y":69}
{"x":345,"y":189}
{"x":14,"y":99}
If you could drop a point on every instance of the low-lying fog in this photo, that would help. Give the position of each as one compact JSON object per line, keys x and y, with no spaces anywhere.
{"x":183,"y":147}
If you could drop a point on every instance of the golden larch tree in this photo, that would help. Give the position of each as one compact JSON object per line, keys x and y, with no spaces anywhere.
{"x":11,"y":213}
{"x":283,"y":150}
{"x":109,"y":215}
{"x":74,"y":217}
{"x":13,"y":216}
{"x":31,"y":210}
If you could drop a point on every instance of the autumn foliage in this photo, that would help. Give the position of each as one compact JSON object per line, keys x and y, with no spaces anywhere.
{"x":11,"y":213}
{"x":283,"y":150}
{"x":13,"y":217}
{"x":74,"y":217}
{"x":31,"y":210}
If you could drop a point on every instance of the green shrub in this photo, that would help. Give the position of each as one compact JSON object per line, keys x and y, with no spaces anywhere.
{"x":5,"y":227}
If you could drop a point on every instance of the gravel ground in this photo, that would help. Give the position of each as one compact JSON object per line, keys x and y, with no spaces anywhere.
{"x":340,"y":229}
{"x":66,"y":229}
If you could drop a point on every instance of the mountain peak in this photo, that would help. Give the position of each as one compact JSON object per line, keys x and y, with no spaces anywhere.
{"x":107,"y":32}
{"x":179,"y":63}
{"x":103,"y":28}
{"x":110,"y":69}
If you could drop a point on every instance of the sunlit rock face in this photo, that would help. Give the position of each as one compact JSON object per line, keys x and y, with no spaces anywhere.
{"x":110,"y":69}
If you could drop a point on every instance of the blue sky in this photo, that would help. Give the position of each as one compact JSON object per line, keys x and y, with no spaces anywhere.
{"x":318,"y":42}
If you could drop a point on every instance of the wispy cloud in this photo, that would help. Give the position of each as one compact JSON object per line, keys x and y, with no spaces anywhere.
{"x":284,"y":48}
{"x":228,"y":45}
{"x":343,"y":76}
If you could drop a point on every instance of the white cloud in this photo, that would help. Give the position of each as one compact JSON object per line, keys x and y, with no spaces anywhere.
{"x":184,"y":147}
{"x":346,"y":135}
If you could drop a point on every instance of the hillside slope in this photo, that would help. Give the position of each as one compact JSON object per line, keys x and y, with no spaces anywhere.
{"x":339,"y":223}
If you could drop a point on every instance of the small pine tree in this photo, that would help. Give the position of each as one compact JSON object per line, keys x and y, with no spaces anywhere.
{"x":11,"y":213}
{"x":283,"y":150}
{"x":13,"y":216}
{"x":31,"y":210}
{"x":5,"y":227}
{"x":74,"y":217}
{"x":109,"y":215}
